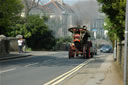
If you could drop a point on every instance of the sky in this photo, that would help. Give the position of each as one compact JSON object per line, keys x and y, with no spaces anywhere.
{"x":70,"y":2}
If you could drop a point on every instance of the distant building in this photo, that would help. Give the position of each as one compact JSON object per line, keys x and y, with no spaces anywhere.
{"x":61,"y":17}
{"x":97,"y":27}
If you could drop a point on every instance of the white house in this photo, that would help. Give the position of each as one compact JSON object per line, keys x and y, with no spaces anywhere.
{"x":61,"y":17}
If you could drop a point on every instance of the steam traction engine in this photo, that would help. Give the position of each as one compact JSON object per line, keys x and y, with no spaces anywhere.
{"x":80,"y":45}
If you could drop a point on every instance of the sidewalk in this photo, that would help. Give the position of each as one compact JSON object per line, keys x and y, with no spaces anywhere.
{"x":13,"y":55}
{"x":101,"y":71}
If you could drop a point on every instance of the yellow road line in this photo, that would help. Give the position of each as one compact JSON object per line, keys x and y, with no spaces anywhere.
{"x":60,"y":76}
{"x":55,"y":83}
{"x":67,"y":74}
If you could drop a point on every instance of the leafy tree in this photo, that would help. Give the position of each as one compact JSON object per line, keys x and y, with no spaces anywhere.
{"x":62,"y":43}
{"x":28,"y":28}
{"x":111,"y":31}
{"x":35,"y":31}
{"x":9,"y":10}
{"x":41,"y":37}
{"x":115,"y":11}
{"x":64,"y":40}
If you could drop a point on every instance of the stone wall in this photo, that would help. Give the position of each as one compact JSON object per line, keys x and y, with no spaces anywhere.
{"x":120,"y":54}
{"x":13,"y":44}
{"x":8,"y":44}
{"x":120,"y":57}
{"x":4,"y":46}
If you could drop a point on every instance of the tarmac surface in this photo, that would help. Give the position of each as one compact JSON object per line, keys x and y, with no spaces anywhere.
{"x":101,"y":70}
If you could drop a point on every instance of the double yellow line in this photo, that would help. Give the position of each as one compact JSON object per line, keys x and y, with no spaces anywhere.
{"x":62,"y":77}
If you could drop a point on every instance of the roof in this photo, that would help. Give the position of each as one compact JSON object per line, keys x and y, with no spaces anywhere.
{"x":69,"y":8}
{"x":74,"y":29}
{"x":55,"y":7}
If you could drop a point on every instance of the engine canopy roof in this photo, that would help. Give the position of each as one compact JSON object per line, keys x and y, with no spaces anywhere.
{"x":76,"y":29}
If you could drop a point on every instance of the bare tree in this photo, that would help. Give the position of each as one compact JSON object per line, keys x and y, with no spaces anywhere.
{"x":30,"y":4}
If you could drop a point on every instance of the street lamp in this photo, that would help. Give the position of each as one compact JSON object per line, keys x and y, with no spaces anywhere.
{"x":126,"y":41}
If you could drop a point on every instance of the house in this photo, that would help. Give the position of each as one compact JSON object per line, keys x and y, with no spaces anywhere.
{"x":61,"y":17}
{"x":97,"y":26}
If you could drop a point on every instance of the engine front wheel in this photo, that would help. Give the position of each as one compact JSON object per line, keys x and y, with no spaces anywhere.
{"x":71,"y":55}
{"x":92,"y":55}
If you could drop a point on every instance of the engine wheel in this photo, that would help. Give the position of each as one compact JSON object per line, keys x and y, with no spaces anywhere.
{"x":71,"y":55}
{"x":92,"y":55}
{"x":87,"y":53}
{"x":84,"y":52}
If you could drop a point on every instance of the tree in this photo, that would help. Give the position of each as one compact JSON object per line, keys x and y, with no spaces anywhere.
{"x":36,"y":32}
{"x":111,"y":31}
{"x":30,"y":4}
{"x":41,"y":37}
{"x":115,"y":11}
{"x":9,"y":10}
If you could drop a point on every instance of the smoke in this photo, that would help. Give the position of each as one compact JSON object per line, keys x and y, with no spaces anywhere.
{"x":86,"y":11}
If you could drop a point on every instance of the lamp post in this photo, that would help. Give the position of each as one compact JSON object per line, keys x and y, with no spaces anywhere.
{"x":126,"y":41}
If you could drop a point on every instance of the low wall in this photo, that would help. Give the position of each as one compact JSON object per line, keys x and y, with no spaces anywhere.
{"x":13,"y":44}
{"x":120,"y":54}
{"x":7,"y":45}
{"x":62,"y":47}
{"x":4,"y":46}
{"x":120,"y":57}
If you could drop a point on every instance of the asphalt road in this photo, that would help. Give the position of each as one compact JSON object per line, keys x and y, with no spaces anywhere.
{"x":36,"y":70}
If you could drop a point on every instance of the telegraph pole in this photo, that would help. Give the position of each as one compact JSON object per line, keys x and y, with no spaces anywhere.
{"x":126,"y":42}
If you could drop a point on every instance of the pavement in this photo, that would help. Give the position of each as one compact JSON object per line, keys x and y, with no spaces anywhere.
{"x":102,"y":71}
{"x":15,"y":55}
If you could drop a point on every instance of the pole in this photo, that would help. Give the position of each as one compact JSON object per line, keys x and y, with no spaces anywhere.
{"x":115,"y":51}
{"x":125,"y":53}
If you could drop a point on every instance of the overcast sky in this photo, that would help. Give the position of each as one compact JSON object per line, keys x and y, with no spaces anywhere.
{"x":70,"y":2}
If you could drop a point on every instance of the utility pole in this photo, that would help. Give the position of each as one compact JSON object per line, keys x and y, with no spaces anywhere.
{"x":126,"y":41}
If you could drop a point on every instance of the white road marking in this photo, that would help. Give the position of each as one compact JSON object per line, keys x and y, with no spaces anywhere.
{"x":31,"y":64}
{"x":67,"y":74}
{"x":7,"y":70}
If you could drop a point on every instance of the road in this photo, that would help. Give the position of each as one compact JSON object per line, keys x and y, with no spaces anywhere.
{"x":36,"y":70}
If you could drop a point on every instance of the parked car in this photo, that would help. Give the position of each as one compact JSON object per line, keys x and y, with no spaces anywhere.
{"x":106,"y":49}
